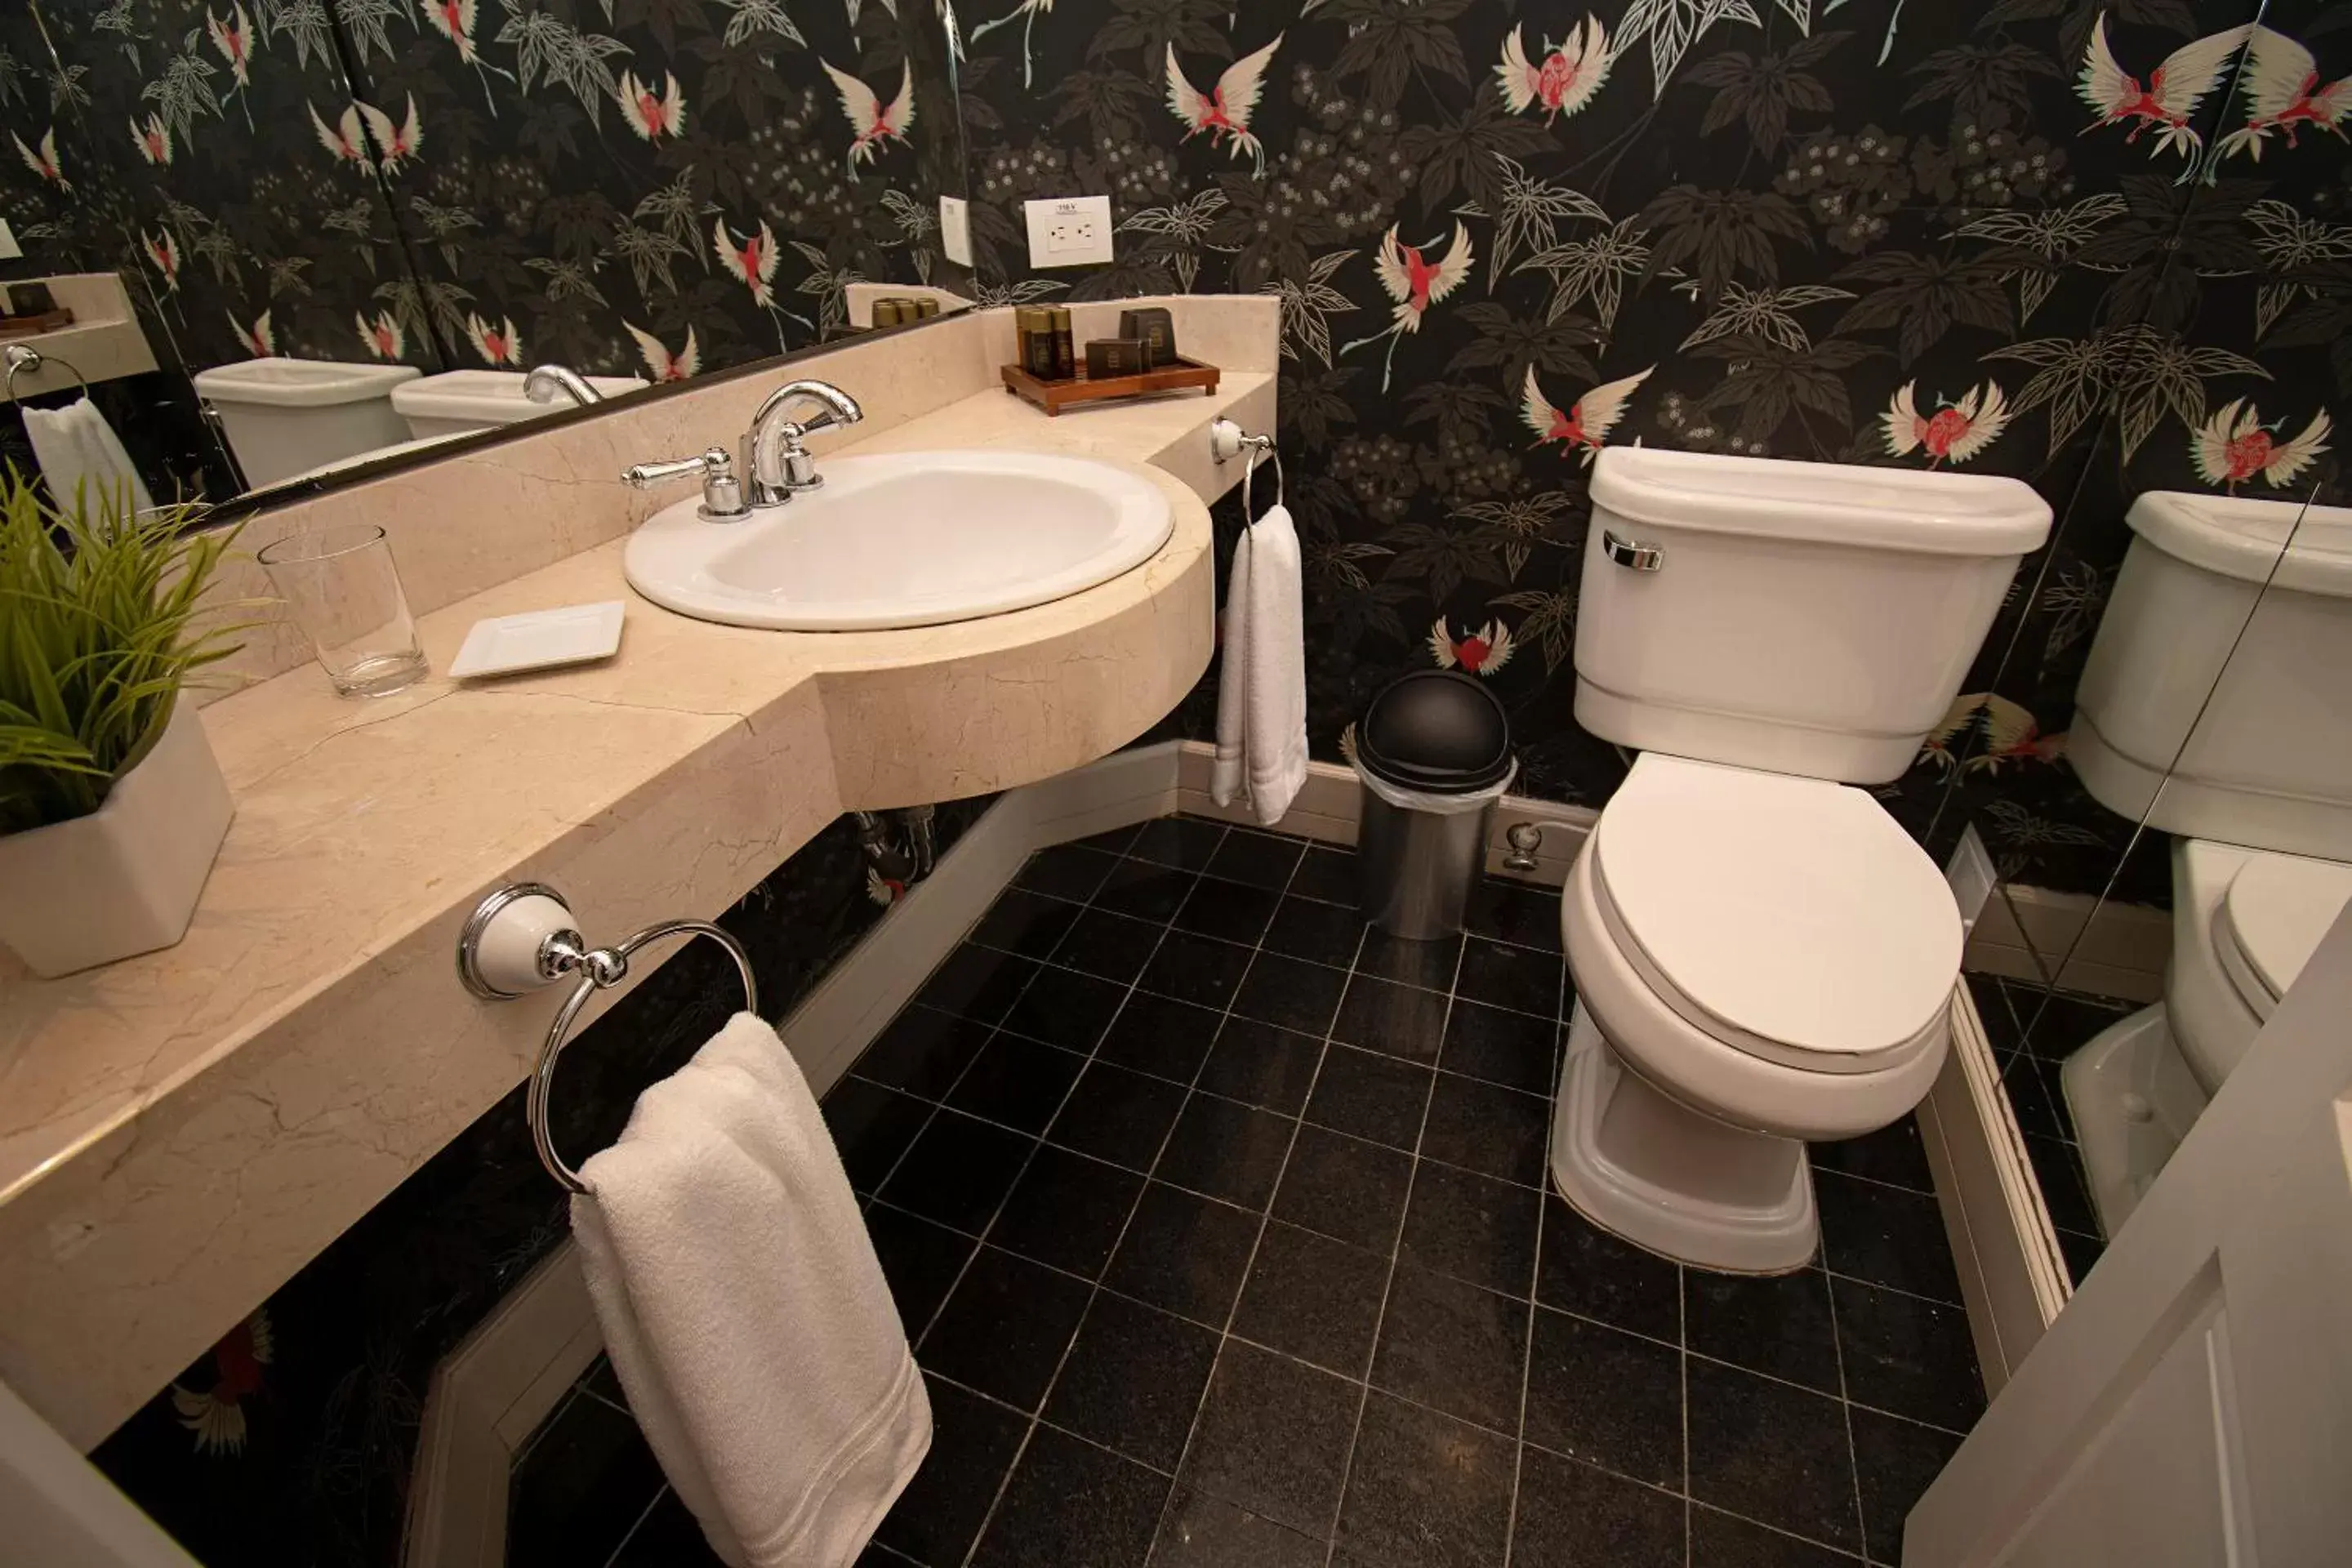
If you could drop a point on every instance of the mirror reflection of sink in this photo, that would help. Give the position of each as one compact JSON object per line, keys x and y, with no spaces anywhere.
{"x":906,"y":538}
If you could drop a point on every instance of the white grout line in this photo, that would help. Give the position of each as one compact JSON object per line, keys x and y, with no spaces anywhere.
{"x":637,"y":1524}
{"x":1845,"y":1413}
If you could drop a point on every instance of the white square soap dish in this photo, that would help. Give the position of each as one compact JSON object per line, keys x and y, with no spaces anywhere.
{"x":539,"y":640}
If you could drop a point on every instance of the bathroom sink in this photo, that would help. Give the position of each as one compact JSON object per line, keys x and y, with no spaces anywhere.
{"x":906,"y":538}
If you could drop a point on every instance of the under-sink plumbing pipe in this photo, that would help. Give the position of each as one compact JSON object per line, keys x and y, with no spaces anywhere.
{"x":895,"y":862}
{"x":1525,"y":838}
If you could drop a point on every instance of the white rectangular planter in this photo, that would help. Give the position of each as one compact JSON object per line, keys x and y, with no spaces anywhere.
{"x":124,"y":879}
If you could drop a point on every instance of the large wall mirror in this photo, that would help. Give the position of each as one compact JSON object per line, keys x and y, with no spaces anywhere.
{"x":279,"y":242}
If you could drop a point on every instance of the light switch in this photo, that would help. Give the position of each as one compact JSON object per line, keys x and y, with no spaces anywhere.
{"x":955,"y":229}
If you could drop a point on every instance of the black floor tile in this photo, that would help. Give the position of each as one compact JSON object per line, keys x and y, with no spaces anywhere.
{"x":1425,"y":1490}
{"x":1326,"y":873}
{"x":871,"y":1127}
{"x":1453,"y":1347}
{"x":1133,"y":1380}
{"x":1720,"y":1541}
{"x":936,"y":1518}
{"x":1066,"y":871}
{"x":1027,"y":923}
{"x":1190,"y":842}
{"x":1995,"y":1011}
{"x":1771,"y":1452}
{"x":1017,"y":1082}
{"x":1064,"y":1008}
{"x":2028,"y":1099}
{"x":1313,"y":1298}
{"x":1586,"y":1270}
{"x":1118,"y":1115}
{"x":1162,"y":1036}
{"x":1517,"y":913}
{"x":1780,"y":1326}
{"x":1609,"y":1398}
{"x":1066,"y":1210}
{"x":1261,"y":1065}
{"x":1004,"y":1330}
{"x":1894,"y":1462}
{"x":1344,"y":1187}
{"x":1323,"y":934}
{"x":1070,"y":1502}
{"x":602,"y":1381}
{"x":586,"y":1479}
{"x":1273,"y":1438}
{"x":1573,"y":1516}
{"x":922,"y":1051}
{"x":1368,"y":1095}
{"x":1235,"y":911}
{"x":1226,"y":1150}
{"x":2060,"y":1022}
{"x":958,"y":1171}
{"x":667,"y":1537}
{"x":1384,"y":1016}
{"x":1111,"y":840}
{"x":1114,"y":947}
{"x":1892,"y":1154}
{"x":1493,"y":1130}
{"x":918,"y":1258}
{"x":977,"y":982}
{"x":1504,"y":976}
{"x":1884,"y":1236}
{"x":2058,"y":1171}
{"x":1261,"y":859}
{"x":1145,"y":891}
{"x":1185,"y":1253}
{"x":2056,"y":1085}
{"x":1429,"y":964}
{"x":1911,"y":1357}
{"x":1514,"y":1049}
{"x":1473,"y":1227}
{"x":1202,"y":1531}
{"x":1196,"y":968}
{"x":2080,"y":1253}
{"x":1291,"y":993}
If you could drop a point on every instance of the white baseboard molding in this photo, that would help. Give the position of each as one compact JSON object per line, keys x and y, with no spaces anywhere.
{"x":2074,"y":941}
{"x":2013,"y":1280}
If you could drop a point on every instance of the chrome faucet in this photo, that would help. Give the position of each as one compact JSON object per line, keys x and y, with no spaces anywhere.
{"x":778,"y":466}
{"x":546,"y":380}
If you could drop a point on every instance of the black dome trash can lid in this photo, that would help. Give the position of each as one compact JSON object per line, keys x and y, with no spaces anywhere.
{"x":1436,"y":731}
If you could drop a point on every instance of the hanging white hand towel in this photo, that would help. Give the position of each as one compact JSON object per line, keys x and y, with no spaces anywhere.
{"x":746,"y":1313}
{"x":77,"y":449}
{"x":1261,"y":685}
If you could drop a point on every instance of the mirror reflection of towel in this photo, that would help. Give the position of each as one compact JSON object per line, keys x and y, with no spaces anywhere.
{"x":78,"y":449}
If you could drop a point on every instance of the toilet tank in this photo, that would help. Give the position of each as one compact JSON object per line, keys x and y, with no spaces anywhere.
{"x":1812,"y":618}
{"x":2267,"y":761}
{"x":286,"y":417}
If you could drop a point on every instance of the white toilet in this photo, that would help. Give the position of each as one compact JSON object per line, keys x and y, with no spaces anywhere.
{"x":2259,"y":796}
{"x":1762,"y":955}
{"x":458,"y":402}
{"x":286,"y":417}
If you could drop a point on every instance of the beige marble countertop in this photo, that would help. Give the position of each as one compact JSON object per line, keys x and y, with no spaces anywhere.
{"x":179,"y":1132}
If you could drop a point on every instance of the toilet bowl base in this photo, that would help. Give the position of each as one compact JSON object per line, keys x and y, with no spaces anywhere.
{"x":1644,"y":1166}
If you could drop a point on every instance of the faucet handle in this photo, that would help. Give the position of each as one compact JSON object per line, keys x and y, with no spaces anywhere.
{"x":722,"y":493}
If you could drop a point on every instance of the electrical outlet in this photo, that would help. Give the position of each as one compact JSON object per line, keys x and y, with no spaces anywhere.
{"x":955,"y":229}
{"x":1972,"y":876}
{"x":1069,"y":231}
{"x":10,"y":248}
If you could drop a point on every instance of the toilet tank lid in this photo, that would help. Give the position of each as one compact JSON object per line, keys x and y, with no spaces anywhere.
{"x":281,"y":383}
{"x":1933,"y":513}
{"x":2241,"y":537}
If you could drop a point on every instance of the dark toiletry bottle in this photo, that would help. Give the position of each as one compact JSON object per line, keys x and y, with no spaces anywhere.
{"x":1065,"y":348}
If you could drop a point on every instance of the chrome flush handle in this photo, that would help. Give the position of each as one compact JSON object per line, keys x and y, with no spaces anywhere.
{"x":1631,"y":554}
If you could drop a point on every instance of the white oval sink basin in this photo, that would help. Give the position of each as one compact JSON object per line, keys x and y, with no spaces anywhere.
{"x":906,"y":538}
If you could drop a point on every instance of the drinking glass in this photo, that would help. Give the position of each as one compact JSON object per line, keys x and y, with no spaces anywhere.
{"x":343,"y":589}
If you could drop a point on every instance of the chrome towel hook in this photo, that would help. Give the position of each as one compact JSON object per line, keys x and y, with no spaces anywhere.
{"x":1227,"y":441}
{"x":522,"y":937}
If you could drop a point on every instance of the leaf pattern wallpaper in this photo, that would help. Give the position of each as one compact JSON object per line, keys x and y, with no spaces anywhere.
{"x":2105,"y":246}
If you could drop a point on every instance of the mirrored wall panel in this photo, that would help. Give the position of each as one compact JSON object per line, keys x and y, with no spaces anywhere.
{"x":272,"y":239}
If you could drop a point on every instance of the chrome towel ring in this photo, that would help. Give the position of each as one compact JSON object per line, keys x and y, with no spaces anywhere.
{"x":1227,"y":441}
{"x":25,"y":358}
{"x":521,"y":937}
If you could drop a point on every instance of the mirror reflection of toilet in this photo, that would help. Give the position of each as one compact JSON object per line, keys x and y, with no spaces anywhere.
{"x":1762,"y":955}
{"x":2247,"y":772}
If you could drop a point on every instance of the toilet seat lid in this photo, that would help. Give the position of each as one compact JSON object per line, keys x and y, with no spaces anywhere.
{"x":1793,"y":915}
{"x":2277,"y":910}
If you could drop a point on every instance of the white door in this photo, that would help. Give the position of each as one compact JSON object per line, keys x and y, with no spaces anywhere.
{"x":2193,"y":1404}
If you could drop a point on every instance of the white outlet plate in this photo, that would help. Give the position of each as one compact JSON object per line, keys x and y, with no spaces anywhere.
{"x":1069,"y":231}
{"x":10,"y":248}
{"x":955,"y":229}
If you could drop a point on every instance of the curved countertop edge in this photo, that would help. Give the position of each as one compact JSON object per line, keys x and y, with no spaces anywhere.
{"x":141,"y":1222}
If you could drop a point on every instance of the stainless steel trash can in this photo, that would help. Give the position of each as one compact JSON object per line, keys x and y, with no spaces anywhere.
{"x":1433,"y":756}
